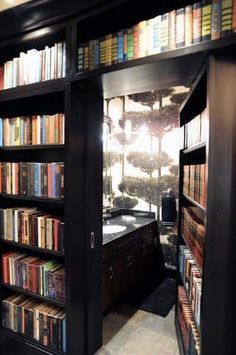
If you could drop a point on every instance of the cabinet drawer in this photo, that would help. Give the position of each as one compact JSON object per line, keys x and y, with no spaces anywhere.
{"x":150,"y":230}
{"x":127,"y":242}
{"x":107,"y":252}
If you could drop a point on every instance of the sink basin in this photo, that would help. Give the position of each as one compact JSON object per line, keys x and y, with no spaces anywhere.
{"x":113,"y":228}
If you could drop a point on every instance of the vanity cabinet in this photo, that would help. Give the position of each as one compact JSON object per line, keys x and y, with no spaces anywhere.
{"x":127,"y":261}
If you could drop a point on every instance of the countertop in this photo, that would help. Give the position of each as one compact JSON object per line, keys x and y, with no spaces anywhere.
{"x":130,"y":222}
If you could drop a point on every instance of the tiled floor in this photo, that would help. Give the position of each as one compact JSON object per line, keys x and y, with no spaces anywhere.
{"x":127,"y":331}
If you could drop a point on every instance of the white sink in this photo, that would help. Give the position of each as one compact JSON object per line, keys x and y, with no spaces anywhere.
{"x":113,"y":228}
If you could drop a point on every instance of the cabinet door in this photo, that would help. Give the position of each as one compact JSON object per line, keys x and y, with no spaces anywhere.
{"x":107,"y":282}
{"x":119,"y":278}
{"x":148,"y":257}
{"x":133,"y":266}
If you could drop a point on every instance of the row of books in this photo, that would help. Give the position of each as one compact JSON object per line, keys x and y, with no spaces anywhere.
{"x":29,"y":226}
{"x":196,"y":131}
{"x":33,"y":130}
{"x":32,"y":179}
{"x":188,"y":329}
{"x":192,"y":280}
{"x":194,"y":182}
{"x":193,"y":232}
{"x":34,"y":274}
{"x":36,"y":320}
{"x":189,"y":25}
{"x":34,"y":66}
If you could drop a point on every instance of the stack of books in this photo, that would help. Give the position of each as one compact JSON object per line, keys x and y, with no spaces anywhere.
{"x":36,"y":320}
{"x":32,"y":130}
{"x":29,"y":226}
{"x":192,"y":281}
{"x":196,"y":131}
{"x":193,"y":232}
{"x":194,"y":182}
{"x":34,"y":274}
{"x":32,"y":179}
{"x":34,"y":66}
{"x":202,"y":21}
{"x":188,"y":329}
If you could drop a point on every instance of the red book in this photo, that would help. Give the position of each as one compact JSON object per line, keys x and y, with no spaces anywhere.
{"x":234,"y":17}
{"x":1,"y":78}
{"x":135,"y":41}
{"x":49,"y":180}
{"x":5,"y":268}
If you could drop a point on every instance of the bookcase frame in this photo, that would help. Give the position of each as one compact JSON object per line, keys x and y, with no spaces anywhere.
{"x":213,"y":88}
{"x":82,"y":152}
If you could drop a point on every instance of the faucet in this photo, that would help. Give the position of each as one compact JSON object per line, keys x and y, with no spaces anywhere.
{"x":106,"y":215}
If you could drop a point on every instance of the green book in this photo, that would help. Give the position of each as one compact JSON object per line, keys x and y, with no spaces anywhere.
{"x":226,"y":18}
{"x":130,"y":43}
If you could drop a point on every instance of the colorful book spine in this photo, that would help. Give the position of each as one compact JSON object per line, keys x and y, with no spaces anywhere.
{"x":91,"y":55}
{"x":86,"y":56}
{"x":180,"y":30}
{"x":206,"y":20}
{"x":102,"y":51}
{"x":125,"y":46}
{"x":172,"y":30}
{"x":188,"y":25}
{"x":157,"y":34}
{"x":108,"y":50}
{"x":96,"y":54}
{"x":226,"y":17}
{"x":149,"y":37}
{"x":80,"y":58}
{"x":114,"y":48}
{"x":130,"y":44}
{"x":141,"y":39}
{"x":135,"y":42}
{"x":164,"y":32}
{"x":120,"y":46}
{"x":216,"y":19}
{"x":197,"y":23}
{"x":233,"y":26}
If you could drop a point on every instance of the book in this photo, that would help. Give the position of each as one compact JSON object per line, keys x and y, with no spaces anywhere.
{"x":206,"y":20}
{"x":172,"y":30}
{"x":226,"y":17}
{"x":157,"y":34}
{"x":141,"y":39}
{"x":216,"y":19}
{"x":130,"y":44}
{"x":233,"y":24}
{"x":180,"y":28}
{"x":188,"y":25}
{"x":120,"y":46}
{"x":164,"y":32}
{"x":108,"y":60}
{"x":114,"y":48}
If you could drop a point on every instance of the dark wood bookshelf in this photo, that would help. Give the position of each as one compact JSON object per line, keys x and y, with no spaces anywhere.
{"x":33,"y":295}
{"x":195,"y":203}
{"x":31,"y":90}
{"x":80,"y":96}
{"x":195,"y":148}
{"x":179,"y":338}
{"x":32,"y":248}
{"x":59,"y":202}
{"x":34,"y":344}
{"x":33,"y":147}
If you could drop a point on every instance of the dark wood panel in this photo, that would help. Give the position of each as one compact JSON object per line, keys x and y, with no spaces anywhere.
{"x":218,"y":275}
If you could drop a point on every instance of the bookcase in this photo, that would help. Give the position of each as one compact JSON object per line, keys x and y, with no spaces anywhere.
{"x":80,"y":97}
{"x":207,"y":263}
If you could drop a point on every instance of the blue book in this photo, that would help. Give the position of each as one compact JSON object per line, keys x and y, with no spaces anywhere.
{"x":54,"y":182}
{"x":36,"y":181}
{"x":96,"y":54}
{"x":64,"y":335}
{"x":120,"y":46}
{"x":1,"y":132}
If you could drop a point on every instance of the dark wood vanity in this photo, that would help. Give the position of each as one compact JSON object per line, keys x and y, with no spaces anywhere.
{"x":129,"y":257}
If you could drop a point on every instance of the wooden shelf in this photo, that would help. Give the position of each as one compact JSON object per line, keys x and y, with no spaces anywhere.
{"x":30,"y":342}
{"x":36,"y":199}
{"x":186,"y":242}
{"x":24,"y":91}
{"x":29,"y":247}
{"x":194,"y":148}
{"x":33,"y":147}
{"x":195,"y":203}
{"x":33,"y":295}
